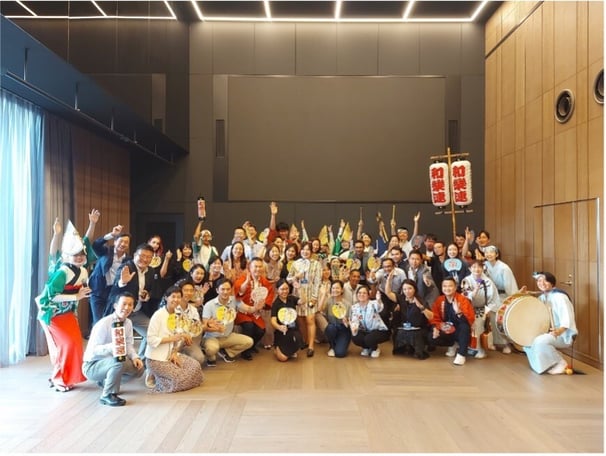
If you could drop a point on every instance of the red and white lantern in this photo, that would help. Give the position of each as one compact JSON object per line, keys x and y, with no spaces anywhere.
{"x":440,"y":184}
{"x":460,"y":175}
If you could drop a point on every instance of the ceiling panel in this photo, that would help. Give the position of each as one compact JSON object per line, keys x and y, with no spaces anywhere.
{"x":325,"y":10}
{"x":280,"y":9}
{"x":354,"y":9}
{"x":238,"y":9}
{"x":423,"y":10}
{"x":51,"y":8}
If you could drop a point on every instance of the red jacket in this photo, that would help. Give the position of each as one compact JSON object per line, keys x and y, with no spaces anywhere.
{"x":465,"y":307}
{"x":245,"y":298}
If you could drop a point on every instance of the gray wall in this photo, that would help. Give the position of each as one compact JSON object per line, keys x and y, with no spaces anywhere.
{"x":132,"y":59}
{"x":453,"y":51}
{"x":145,"y":64}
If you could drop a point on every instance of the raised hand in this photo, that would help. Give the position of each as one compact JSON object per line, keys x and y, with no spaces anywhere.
{"x":273,"y":208}
{"x":125,"y":275}
{"x":116,"y":230}
{"x":94,"y":215}
{"x":57,"y":229}
{"x":417,"y":217}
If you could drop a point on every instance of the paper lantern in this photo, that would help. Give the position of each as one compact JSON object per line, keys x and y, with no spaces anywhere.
{"x":439,"y":184}
{"x":460,"y":175}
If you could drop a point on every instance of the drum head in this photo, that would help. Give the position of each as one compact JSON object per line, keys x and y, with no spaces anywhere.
{"x":524,"y":319}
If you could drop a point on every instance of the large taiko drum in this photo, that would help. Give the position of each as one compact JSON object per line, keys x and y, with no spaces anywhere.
{"x":521,"y":318}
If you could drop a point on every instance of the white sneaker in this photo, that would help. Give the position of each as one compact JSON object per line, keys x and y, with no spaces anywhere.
{"x":150,"y":380}
{"x":559,"y":368}
{"x":507,"y":350}
{"x":492,"y":348}
{"x":331,"y":353}
{"x":365,"y":352}
{"x":452,"y":350}
{"x":481,"y":354}
{"x":376,"y":353}
{"x":459,"y":360}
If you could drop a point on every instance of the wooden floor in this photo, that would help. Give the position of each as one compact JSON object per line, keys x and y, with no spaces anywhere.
{"x":325,"y":405}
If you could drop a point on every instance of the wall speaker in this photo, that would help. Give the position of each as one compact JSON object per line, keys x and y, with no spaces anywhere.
{"x":564,"y":106}
{"x":598,"y":87}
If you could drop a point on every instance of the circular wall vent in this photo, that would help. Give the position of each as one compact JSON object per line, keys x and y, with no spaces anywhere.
{"x":564,"y":106}
{"x":598,"y":87}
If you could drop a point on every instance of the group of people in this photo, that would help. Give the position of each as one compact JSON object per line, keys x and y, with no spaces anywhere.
{"x":285,"y":292}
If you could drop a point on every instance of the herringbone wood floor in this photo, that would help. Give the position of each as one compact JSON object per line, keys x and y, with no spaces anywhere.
{"x":390,"y":404}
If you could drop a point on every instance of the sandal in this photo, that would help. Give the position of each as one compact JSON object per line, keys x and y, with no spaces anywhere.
{"x":63,"y":389}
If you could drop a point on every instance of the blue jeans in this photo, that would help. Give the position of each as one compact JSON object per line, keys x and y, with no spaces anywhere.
{"x":338,"y":337}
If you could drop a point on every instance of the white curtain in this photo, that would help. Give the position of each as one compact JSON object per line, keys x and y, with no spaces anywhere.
{"x":21,"y":209}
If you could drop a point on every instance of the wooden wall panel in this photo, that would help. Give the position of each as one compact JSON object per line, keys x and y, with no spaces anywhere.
{"x":582,"y":34}
{"x":508,"y":77}
{"x":547,"y":12}
{"x":508,"y":135}
{"x":565,"y":32}
{"x":565,"y":165}
{"x":582,"y":162}
{"x":533,"y":68}
{"x":490,"y":100}
{"x":595,"y":26}
{"x":595,"y":149}
{"x":506,"y":230}
{"x":521,"y":40}
{"x":534,"y":121}
{"x":493,"y":26}
{"x":519,"y":189}
{"x":558,"y":166}
{"x":548,"y":117}
{"x":582,"y":93}
{"x":547,"y":169}
{"x":520,"y":128}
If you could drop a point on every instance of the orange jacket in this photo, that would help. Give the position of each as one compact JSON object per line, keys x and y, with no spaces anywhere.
{"x":465,"y":307}
{"x":245,"y":298}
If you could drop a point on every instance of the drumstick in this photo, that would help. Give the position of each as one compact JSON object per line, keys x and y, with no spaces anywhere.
{"x":393,"y":211}
{"x":360,"y":212}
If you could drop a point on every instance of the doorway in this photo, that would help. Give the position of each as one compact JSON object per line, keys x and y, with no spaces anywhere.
{"x":567,"y":243}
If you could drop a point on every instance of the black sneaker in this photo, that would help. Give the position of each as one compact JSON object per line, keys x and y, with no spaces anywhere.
{"x":247,"y":356}
{"x":113,"y":400}
{"x":211,"y":363}
{"x":223,"y":354}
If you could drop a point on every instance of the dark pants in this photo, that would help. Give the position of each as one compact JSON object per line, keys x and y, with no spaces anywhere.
{"x":462,"y":336}
{"x":370,"y":339}
{"x":253,"y":331}
{"x":410,"y":341}
{"x":338,"y":336}
{"x":98,"y":302}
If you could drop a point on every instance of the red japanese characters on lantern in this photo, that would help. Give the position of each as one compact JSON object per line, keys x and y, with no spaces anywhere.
{"x":440,"y":184}
{"x":460,"y":174}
